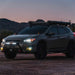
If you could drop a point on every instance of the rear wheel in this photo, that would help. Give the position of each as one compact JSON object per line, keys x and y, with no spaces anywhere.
{"x":41,"y":51}
{"x":10,"y":54}
{"x":70,"y":50}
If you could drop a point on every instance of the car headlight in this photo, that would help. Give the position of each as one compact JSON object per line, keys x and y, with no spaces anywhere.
{"x":29,"y":40}
{"x":3,"y":40}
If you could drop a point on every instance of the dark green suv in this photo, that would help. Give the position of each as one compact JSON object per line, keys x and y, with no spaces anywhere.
{"x":41,"y":38}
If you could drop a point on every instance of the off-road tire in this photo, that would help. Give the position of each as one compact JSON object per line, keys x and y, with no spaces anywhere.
{"x":41,"y":51}
{"x":10,"y":54}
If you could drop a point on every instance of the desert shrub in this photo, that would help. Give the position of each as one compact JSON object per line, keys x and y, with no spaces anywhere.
{"x":4,"y":34}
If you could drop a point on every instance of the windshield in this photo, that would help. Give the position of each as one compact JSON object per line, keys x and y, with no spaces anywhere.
{"x":34,"y":30}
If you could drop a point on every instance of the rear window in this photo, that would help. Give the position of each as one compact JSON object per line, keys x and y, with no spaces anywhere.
{"x":63,"y":30}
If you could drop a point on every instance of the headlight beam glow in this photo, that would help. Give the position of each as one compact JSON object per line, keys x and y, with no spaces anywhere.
{"x":29,"y":40}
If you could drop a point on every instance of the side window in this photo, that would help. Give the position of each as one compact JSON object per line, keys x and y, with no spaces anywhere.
{"x":61,"y":30}
{"x":67,"y":29}
{"x":53,"y":30}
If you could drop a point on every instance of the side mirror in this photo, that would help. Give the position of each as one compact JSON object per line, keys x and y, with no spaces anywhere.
{"x":50,"y":34}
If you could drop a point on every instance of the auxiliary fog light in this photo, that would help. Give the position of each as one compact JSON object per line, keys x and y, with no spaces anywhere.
{"x":1,"y":48}
{"x":29,"y":48}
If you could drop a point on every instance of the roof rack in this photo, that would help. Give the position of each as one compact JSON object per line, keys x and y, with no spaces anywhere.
{"x":58,"y":23}
{"x":48,"y":23}
{"x":32,"y":23}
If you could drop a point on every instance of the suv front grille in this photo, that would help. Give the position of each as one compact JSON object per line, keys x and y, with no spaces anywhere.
{"x":12,"y":40}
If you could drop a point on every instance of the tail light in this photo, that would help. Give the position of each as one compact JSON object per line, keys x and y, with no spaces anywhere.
{"x":74,"y":34}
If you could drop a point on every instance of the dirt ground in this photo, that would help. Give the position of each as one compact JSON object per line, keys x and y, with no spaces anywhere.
{"x":54,"y":64}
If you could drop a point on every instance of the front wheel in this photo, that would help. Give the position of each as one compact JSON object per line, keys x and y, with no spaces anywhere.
{"x":10,"y":54}
{"x":41,"y":51}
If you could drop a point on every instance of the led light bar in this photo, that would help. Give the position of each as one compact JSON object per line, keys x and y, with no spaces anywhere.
{"x":13,"y":43}
{"x":48,"y":23}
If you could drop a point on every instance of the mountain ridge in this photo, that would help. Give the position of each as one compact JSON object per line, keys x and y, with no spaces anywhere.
{"x":15,"y":27}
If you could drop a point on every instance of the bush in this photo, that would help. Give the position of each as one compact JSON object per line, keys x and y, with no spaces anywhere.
{"x":4,"y":34}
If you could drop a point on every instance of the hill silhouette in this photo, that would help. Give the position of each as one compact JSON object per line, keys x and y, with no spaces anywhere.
{"x":12,"y":26}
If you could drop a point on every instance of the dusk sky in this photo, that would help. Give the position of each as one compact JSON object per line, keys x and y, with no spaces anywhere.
{"x":30,"y":10}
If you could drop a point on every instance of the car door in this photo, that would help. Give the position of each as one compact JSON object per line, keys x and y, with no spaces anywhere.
{"x":63,"y":37}
{"x":52,"y":41}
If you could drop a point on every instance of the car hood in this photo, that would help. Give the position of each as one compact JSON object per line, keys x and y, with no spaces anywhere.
{"x":20,"y":37}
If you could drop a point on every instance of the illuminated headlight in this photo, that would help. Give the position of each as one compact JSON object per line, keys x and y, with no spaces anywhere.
{"x":29,"y":40}
{"x":3,"y":40}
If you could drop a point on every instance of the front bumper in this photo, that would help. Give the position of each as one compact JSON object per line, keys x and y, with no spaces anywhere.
{"x":19,"y":48}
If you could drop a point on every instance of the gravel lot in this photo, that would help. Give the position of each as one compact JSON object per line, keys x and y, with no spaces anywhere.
{"x":54,"y":64}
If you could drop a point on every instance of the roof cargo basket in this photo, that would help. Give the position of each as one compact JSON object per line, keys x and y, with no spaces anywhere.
{"x":58,"y":23}
{"x":48,"y":23}
{"x":32,"y":23}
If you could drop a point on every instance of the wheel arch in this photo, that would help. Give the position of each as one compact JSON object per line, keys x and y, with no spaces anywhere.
{"x":42,"y":41}
{"x":71,"y":42}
